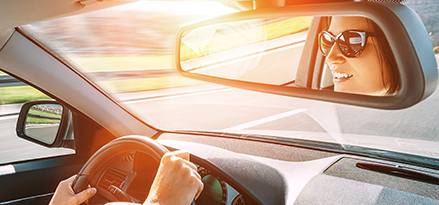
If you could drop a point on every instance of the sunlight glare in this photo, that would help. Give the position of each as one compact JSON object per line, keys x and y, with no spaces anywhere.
{"x":205,"y":8}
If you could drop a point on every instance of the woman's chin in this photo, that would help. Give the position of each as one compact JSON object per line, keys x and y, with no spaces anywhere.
{"x":348,"y":89}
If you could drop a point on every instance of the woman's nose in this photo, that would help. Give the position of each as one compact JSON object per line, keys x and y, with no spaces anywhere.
{"x":334,"y":55}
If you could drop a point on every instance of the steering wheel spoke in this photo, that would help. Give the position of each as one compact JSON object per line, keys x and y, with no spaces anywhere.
{"x":120,"y":154}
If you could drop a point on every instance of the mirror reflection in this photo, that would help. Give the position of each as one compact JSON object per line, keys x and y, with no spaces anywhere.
{"x":358,"y":56}
{"x":257,"y":50}
{"x":43,"y":122}
{"x":353,"y":55}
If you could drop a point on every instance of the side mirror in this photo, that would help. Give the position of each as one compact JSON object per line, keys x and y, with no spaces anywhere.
{"x":44,"y":122}
{"x":279,"y":51}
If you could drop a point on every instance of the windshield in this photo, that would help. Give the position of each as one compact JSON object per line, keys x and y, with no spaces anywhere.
{"x":128,"y":52}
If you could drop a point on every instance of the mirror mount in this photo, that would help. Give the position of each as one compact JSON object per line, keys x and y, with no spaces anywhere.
{"x":45,"y":122}
{"x":405,"y":33}
{"x":259,"y":4}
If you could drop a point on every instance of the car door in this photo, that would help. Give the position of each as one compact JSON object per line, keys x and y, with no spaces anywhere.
{"x":29,"y":172}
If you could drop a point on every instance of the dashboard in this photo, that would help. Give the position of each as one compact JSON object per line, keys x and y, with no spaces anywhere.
{"x":270,"y":173}
{"x":129,"y":177}
{"x":276,"y":174}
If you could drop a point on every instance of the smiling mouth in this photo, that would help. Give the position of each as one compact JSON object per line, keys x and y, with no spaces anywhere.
{"x":341,"y":76}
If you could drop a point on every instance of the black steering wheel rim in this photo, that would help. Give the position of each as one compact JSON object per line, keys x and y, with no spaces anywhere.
{"x":119,"y":148}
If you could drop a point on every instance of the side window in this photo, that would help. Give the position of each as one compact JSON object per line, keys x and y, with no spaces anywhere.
{"x":13,"y":93}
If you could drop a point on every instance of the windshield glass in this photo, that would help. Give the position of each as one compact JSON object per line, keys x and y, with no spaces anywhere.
{"x":128,"y":51}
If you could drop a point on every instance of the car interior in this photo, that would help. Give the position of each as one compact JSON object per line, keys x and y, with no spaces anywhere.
{"x":116,"y":151}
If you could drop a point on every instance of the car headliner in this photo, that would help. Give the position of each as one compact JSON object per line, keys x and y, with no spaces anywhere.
{"x":22,"y":12}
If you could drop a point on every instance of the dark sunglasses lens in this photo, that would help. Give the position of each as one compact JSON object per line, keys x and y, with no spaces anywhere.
{"x":326,"y":43}
{"x":350,"y":44}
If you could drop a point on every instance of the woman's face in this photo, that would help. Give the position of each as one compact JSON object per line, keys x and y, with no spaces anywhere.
{"x":363,"y":74}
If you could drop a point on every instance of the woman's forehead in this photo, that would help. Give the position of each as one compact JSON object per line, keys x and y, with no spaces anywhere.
{"x":343,"y":23}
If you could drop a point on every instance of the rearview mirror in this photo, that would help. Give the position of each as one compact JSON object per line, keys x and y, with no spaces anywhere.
{"x":388,"y":61}
{"x":256,"y":50}
{"x":43,"y":122}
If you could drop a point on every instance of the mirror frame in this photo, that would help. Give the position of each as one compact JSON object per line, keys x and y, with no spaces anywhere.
{"x":415,"y":57}
{"x":62,"y":130}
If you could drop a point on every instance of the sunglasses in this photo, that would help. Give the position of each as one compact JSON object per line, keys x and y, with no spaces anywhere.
{"x":350,"y":43}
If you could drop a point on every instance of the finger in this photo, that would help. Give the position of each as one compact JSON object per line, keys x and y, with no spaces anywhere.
{"x":183,"y":155}
{"x":200,"y":188}
{"x":195,"y":172}
{"x":190,"y":165}
{"x":70,"y":180}
{"x":85,"y":195}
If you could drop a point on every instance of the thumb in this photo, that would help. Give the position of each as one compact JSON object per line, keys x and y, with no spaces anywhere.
{"x":182,"y":154}
{"x":85,"y":195}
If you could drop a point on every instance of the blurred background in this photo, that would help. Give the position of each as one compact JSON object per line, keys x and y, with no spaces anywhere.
{"x":130,"y":48}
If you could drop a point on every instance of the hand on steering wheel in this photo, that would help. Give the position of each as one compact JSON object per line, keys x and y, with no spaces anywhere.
{"x":65,"y":195}
{"x":177,"y":180}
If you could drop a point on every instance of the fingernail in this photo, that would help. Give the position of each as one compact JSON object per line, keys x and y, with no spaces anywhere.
{"x":92,"y":190}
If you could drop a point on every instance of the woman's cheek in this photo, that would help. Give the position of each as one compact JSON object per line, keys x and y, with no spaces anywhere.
{"x":367,"y":74}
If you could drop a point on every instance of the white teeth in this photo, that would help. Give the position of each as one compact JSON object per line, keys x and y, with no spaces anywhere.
{"x":341,"y":75}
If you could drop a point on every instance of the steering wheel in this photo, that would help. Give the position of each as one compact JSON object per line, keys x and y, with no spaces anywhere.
{"x":119,"y":155}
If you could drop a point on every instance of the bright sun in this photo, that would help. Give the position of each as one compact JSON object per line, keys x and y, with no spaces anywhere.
{"x":207,"y":8}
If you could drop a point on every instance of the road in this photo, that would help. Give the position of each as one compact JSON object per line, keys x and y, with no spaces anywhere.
{"x":235,"y":110}
{"x":254,"y":62}
{"x":229,"y":109}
